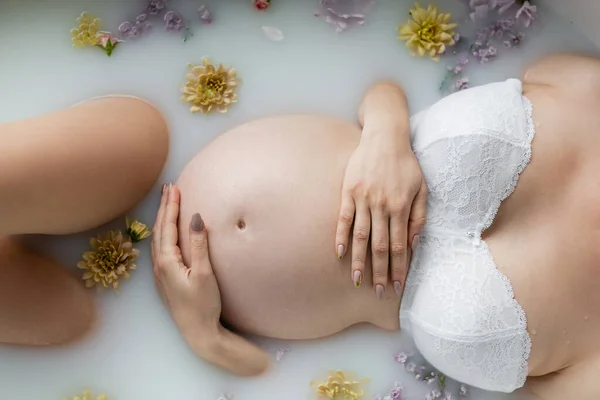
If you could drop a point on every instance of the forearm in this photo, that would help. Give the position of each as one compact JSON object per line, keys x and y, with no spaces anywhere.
{"x":385,"y":109}
{"x":229,"y":351}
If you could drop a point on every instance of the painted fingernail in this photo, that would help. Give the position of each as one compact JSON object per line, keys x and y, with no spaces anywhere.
{"x":197,"y":223}
{"x":357,"y":278}
{"x":379,"y":289}
{"x":415,"y":242}
{"x":340,"y":251}
{"x":398,"y":287}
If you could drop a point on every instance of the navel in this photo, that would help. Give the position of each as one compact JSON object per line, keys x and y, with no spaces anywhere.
{"x":241,"y":224}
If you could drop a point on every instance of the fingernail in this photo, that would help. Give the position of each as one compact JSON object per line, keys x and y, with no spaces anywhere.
{"x":197,"y":223}
{"x":397,"y":288}
{"x":357,"y":278}
{"x":340,"y":251}
{"x":415,"y":242}
{"x":162,"y":190}
{"x":379,"y":289}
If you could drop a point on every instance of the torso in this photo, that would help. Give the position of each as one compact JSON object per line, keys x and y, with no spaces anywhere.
{"x":269,"y":192}
{"x":546,"y":235}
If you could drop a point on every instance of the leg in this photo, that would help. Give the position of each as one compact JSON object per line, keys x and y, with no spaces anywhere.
{"x":81,"y":167}
{"x":61,"y":173}
{"x":40,"y":304}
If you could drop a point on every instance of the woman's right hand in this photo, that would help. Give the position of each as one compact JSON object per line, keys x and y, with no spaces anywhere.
{"x":192,"y":294}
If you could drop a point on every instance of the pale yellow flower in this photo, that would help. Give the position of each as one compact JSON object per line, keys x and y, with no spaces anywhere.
{"x":136,"y":230}
{"x":429,"y":32}
{"x":86,"y":32}
{"x":87,"y":396}
{"x":208,"y":88}
{"x":340,"y":386}
{"x":111,"y":259}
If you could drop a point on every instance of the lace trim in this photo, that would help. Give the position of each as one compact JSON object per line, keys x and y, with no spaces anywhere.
{"x":524,"y":368}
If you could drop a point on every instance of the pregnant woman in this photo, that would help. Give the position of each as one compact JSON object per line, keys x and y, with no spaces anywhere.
{"x":503,"y":281}
{"x":60,"y":173}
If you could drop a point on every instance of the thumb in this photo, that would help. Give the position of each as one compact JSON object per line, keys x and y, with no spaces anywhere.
{"x":200,"y":261}
{"x":418,"y":212}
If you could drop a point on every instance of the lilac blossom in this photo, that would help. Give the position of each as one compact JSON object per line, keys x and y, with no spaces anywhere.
{"x":505,"y":5}
{"x":156,"y":7}
{"x":527,"y":14}
{"x":463,"y":390}
{"x":131,"y":30}
{"x":345,"y":14}
{"x":434,"y":394}
{"x":411,"y":366}
{"x":401,"y":357}
{"x":173,"y":21}
{"x":205,"y":14}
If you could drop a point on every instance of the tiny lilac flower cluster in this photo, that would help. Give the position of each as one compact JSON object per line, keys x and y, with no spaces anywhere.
{"x":481,"y":9}
{"x":395,"y":393}
{"x":173,"y":21}
{"x":431,"y":377}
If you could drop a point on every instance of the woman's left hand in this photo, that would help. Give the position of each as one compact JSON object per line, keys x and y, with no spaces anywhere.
{"x":385,"y":196}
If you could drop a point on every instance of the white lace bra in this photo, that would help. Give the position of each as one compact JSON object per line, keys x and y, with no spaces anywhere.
{"x":459,"y":308}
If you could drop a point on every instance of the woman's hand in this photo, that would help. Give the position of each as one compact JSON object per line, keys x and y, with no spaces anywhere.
{"x":191,"y":292}
{"x":385,"y":196}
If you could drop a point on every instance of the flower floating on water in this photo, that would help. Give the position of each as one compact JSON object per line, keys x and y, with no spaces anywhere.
{"x":395,"y":393}
{"x":156,"y":7}
{"x":281,"y":353}
{"x":339,"y":387}
{"x":86,"y":32}
{"x":429,"y":32}
{"x":136,"y":230}
{"x":131,"y":30}
{"x":209,"y":88}
{"x":205,"y":14}
{"x":87,"y":396}
{"x":344,"y":14}
{"x":261,"y":5}
{"x":107,"y":42}
{"x":112,"y":258}
{"x":527,"y":14}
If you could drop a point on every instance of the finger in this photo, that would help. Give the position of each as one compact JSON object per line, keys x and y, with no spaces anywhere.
{"x":159,"y":218}
{"x":418,"y":214}
{"x":200,"y":261}
{"x":344,"y":225}
{"x":169,"y":234}
{"x":398,"y":246}
{"x":380,"y":250}
{"x":360,"y":240}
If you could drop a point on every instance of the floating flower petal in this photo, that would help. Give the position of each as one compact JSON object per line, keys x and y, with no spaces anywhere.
{"x":345,"y":14}
{"x":340,"y":386}
{"x":261,"y":5}
{"x":205,"y":14}
{"x":275,"y":34}
{"x":107,"y":42}
{"x":429,"y":32}
{"x":210,"y":89}
{"x":111,"y":259}
{"x":86,"y":32}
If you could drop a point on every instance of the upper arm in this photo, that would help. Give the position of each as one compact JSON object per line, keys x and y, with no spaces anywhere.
{"x":576,"y":382}
{"x":578,"y":73}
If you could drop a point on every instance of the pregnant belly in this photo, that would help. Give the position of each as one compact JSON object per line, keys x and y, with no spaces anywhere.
{"x":269,"y":192}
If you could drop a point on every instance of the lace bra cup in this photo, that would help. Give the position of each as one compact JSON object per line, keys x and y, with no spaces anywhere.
{"x":459,"y":308}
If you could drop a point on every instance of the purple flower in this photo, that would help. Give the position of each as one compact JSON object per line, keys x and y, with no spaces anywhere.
{"x":129,"y":30}
{"x":448,"y":397}
{"x":434,"y":394}
{"x":461,"y":84}
{"x":463,"y":389}
{"x":401,"y":357}
{"x":155,"y":7}
{"x":173,"y":21}
{"x":395,"y":394}
{"x":514,"y":40}
{"x":505,"y":5}
{"x":205,"y":14}
{"x":344,"y":14}
{"x":411,"y":366}
{"x":527,"y":14}
{"x":463,"y":59}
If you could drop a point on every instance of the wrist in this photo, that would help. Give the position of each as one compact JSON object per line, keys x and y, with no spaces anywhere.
{"x":204,"y":341}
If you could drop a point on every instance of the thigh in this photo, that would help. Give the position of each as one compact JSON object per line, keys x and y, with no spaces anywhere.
{"x":78,"y":168}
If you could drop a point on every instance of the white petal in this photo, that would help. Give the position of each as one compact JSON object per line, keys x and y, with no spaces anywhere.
{"x":275,"y":34}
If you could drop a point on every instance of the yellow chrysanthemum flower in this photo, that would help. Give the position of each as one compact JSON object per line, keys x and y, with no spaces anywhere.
{"x":340,"y":386}
{"x":86,"y":33}
{"x":429,"y":32}
{"x":87,"y":396}
{"x":136,"y":230}
{"x":209,"y":88}
{"x":112,"y":258}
